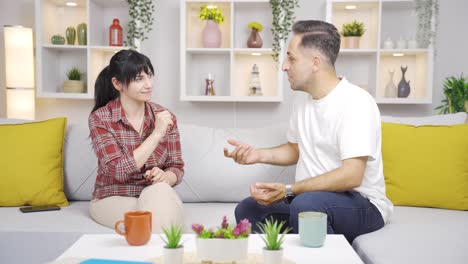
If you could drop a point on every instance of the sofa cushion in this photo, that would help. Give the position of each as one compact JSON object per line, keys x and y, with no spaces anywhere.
{"x":32,"y":163}
{"x":436,"y":120}
{"x":209,"y":176}
{"x":426,"y":165}
{"x":417,"y":235}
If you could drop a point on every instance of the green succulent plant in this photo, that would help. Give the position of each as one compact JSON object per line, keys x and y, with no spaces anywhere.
{"x":173,"y":236}
{"x":74,"y":74}
{"x":353,"y":29}
{"x":273,"y":237}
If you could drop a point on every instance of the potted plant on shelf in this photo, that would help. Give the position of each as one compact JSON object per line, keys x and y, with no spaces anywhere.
{"x":211,"y":33}
{"x":74,"y":83}
{"x":273,"y":238}
{"x":456,"y":96}
{"x":173,"y":251}
{"x":226,"y":244}
{"x":255,"y":41}
{"x":352,"y":33}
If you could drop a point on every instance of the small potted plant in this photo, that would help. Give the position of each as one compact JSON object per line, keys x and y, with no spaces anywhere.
{"x":352,"y":33}
{"x":211,"y":33}
{"x":74,"y":83}
{"x":271,"y":229}
{"x":227,"y":243}
{"x":456,"y":95}
{"x":255,"y":41}
{"x":173,"y":251}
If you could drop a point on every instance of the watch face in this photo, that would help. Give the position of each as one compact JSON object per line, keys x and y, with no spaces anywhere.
{"x":288,"y":198}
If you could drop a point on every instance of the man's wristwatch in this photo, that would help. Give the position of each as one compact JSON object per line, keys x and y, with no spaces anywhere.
{"x":289,"y":196}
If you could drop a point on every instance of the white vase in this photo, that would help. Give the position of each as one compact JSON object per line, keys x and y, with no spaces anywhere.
{"x":173,"y":255}
{"x":390,"y":88}
{"x":211,"y":35}
{"x":222,"y":250}
{"x":272,"y":256}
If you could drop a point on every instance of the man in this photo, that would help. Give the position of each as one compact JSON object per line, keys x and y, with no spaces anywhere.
{"x":334,"y":137}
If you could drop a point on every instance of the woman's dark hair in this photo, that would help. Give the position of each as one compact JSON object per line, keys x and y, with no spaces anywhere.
{"x":125,"y":66}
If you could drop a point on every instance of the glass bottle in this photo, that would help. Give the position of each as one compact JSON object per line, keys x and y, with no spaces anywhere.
{"x":255,"y":89}
{"x":209,"y":88}
{"x":115,"y":33}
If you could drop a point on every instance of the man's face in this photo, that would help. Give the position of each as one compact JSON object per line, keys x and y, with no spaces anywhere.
{"x":299,"y":64}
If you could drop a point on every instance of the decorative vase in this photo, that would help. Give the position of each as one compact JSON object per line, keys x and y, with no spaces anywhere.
{"x":71,"y":86}
{"x":254,"y":41}
{"x":222,"y":250}
{"x":211,"y":35}
{"x":390,"y":88}
{"x":173,"y":255}
{"x":404,"y":88}
{"x":352,"y":42}
{"x":70,"y":34}
{"x":82,"y":34}
{"x":273,"y":256}
{"x":57,"y":40}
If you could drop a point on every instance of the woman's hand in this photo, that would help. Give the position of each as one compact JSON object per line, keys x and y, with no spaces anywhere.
{"x":157,"y":175}
{"x":162,"y":121}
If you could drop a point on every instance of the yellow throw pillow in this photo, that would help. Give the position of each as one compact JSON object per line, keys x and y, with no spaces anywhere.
{"x":31,"y":163}
{"x":426,"y":166}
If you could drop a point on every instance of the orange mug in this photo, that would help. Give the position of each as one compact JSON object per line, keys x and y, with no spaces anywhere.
{"x":137,"y":226}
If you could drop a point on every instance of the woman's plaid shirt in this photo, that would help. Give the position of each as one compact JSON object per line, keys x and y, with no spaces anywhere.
{"x":114,"y":140}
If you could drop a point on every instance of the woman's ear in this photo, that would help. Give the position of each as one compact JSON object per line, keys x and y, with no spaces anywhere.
{"x":117,"y":84}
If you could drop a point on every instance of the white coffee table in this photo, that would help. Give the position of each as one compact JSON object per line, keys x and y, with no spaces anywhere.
{"x":109,"y":246}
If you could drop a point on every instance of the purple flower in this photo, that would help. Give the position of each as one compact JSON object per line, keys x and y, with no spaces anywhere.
{"x":236,"y":231}
{"x":244,"y":227}
{"x":224,"y":224}
{"x":197,"y":228}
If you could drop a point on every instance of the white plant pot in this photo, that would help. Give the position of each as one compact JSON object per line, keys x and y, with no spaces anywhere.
{"x":222,"y":250}
{"x":272,"y":256}
{"x":69,"y":86}
{"x":173,"y":255}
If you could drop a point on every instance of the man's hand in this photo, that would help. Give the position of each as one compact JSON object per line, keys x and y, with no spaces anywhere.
{"x":268,"y":193}
{"x":157,"y":175}
{"x":243,"y":153}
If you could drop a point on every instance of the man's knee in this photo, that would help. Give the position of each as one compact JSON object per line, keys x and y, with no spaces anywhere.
{"x":311,"y":201}
{"x":245,"y":208}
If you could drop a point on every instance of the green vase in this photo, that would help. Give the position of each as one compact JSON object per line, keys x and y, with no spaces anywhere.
{"x":71,"y":35}
{"x":57,"y":40}
{"x":82,"y":40}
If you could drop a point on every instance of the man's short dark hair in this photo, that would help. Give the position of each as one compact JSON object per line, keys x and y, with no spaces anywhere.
{"x":319,"y":35}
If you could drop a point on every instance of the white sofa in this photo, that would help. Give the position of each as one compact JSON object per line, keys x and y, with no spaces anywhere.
{"x":211,"y":188}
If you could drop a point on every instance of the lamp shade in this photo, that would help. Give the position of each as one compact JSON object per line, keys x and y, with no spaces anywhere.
{"x":19,"y":57}
{"x":19,"y":69}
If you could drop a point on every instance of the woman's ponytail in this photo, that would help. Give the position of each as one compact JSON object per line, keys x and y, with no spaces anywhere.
{"x":104,"y":90}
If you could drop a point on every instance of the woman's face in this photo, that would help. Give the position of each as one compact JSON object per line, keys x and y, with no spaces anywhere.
{"x":139,"y":89}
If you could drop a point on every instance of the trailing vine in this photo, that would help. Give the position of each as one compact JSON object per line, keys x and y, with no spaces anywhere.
{"x":283,"y":19}
{"x":427,"y":12}
{"x":141,"y":21}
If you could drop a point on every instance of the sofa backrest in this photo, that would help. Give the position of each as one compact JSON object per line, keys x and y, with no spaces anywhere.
{"x":209,"y":176}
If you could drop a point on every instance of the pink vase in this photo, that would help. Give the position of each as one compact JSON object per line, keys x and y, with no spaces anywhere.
{"x":211,"y":35}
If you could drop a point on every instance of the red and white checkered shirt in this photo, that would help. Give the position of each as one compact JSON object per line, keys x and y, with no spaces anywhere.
{"x":114,"y":140}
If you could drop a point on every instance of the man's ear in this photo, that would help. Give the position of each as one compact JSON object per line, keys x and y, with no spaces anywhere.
{"x":117,"y":84}
{"x":316,"y":63}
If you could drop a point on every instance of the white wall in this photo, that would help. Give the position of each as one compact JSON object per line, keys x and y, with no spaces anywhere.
{"x":163,"y":49}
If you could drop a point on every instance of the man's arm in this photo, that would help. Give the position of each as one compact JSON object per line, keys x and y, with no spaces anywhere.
{"x":347,"y":177}
{"x":283,"y":155}
{"x":344,"y":178}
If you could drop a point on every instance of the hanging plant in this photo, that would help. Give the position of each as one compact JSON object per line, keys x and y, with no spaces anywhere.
{"x":141,"y":21}
{"x":283,"y":19}
{"x":427,"y":12}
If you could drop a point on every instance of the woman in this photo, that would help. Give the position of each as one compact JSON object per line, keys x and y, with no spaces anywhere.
{"x":137,"y":145}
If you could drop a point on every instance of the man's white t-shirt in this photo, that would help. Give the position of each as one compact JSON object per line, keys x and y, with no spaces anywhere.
{"x":342,"y":125}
